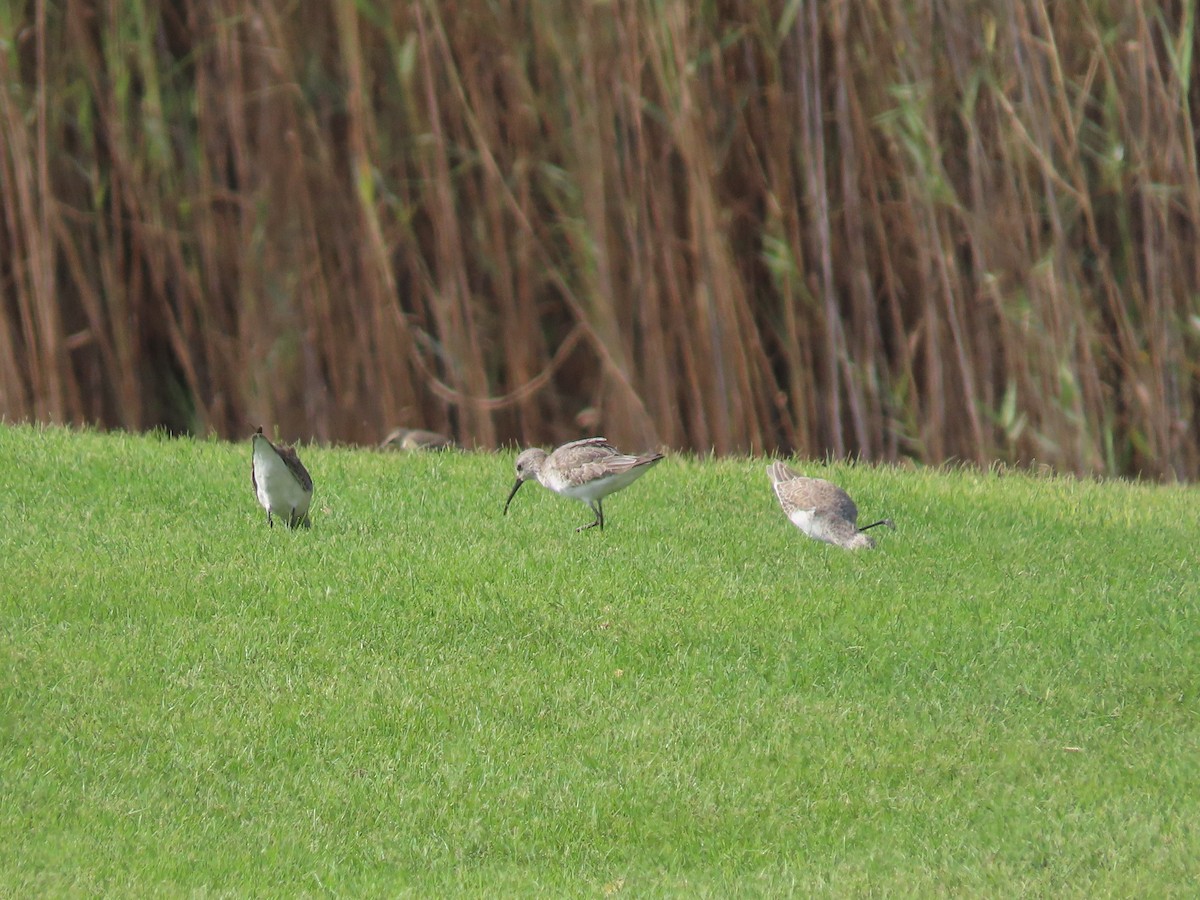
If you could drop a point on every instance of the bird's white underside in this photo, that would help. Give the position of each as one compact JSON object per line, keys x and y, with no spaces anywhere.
{"x":596,"y":489}
{"x":802,"y":519}
{"x":816,"y":527}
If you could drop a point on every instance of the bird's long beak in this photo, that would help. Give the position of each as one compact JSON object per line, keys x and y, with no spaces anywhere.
{"x":888,"y":522}
{"x":516,"y":487}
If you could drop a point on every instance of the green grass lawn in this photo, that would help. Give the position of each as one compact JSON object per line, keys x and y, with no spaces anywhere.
{"x":419,"y":696}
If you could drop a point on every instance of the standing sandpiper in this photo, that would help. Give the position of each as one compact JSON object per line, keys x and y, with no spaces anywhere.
{"x":820,"y":509}
{"x":587,"y":470}
{"x":281,"y":483}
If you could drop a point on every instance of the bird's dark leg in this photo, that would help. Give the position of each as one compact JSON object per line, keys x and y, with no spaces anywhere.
{"x":270,"y":521}
{"x":599,"y":520}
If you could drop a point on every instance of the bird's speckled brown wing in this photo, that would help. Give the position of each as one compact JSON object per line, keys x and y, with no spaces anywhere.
{"x":796,"y":491}
{"x":292,"y":461}
{"x":594,"y":458}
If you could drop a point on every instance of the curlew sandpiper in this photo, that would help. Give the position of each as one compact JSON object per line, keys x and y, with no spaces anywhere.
{"x":587,"y":470}
{"x":820,"y":509}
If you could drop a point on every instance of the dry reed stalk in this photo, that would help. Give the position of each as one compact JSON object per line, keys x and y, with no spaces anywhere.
{"x":462,"y":354}
{"x":816,"y":187}
{"x":878,"y":229}
{"x":28,"y":217}
{"x":14,"y":386}
{"x":378,"y":337}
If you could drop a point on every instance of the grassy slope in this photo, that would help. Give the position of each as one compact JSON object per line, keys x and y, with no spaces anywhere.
{"x":421,"y":694}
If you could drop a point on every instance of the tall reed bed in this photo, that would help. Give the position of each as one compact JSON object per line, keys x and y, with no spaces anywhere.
{"x":886,"y":229}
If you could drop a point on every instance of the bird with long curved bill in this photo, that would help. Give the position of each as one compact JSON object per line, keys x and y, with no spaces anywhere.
{"x":587,"y":470}
{"x":821,"y":509}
